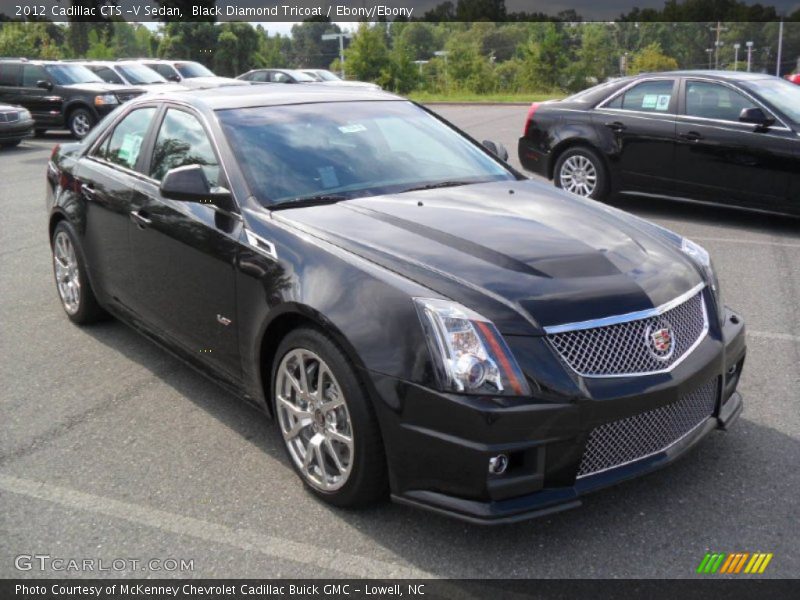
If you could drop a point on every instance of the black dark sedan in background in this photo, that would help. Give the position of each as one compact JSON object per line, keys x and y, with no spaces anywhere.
{"x":417,"y":316}
{"x":16,"y":124}
{"x":722,"y":137}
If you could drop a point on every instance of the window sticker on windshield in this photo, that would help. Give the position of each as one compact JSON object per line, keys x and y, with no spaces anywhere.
{"x":328,"y":176}
{"x":663,"y":102}
{"x":649,"y":101}
{"x":352,"y":128}
{"x":129,"y":150}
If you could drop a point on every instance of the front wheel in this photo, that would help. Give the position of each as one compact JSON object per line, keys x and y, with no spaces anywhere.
{"x":582,"y":172}
{"x":81,"y":121}
{"x":328,"y":426}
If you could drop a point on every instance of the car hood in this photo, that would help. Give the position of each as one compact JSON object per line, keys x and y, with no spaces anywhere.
{"x":98,"y":88}
{"x":206,"y":82}
{"x":357,"y":84}
{"x":521,"y":253}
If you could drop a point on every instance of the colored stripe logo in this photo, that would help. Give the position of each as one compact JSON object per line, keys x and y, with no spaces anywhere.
{"x":734,"y":563}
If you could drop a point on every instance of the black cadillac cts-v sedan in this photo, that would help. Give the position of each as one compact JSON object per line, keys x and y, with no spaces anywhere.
{"x":418,"y":318}
{"x":719,"y":137}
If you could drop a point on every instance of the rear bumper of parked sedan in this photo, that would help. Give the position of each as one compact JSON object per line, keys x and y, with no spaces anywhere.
{"x":439,"y":445}
{"x":533,"y":158}
{"x":11,"y":132}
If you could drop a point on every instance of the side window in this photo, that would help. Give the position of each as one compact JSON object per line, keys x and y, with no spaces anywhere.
{"x":649,"y":96}
{"x":33,"y":73}
{"x":278,"y":77}
{"x":258,"y":76}
{"x":107,"y":74}
{"x":164,"y":70}
{"x":123,"y":146}
{"x":714,"y":101}
{"x":9,"y":74}
{"x":183,"y":141}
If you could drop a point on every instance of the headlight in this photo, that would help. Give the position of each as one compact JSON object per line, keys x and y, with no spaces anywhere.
{"x":24,"y":115}
{"x":702,"y":259}
{"x":469,"y":353}
{"x":105,"y":99}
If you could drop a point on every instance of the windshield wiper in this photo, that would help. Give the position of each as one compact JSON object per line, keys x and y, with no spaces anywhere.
{"x":433,"y":186}
{"x":309,"y":201}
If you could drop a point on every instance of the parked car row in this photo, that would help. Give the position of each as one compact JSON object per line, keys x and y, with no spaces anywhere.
{"x":76,"y":94}
{"x":720,"y":137}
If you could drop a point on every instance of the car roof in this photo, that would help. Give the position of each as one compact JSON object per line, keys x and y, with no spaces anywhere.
{"x":227,"y":97}
{"x":709,"y":74}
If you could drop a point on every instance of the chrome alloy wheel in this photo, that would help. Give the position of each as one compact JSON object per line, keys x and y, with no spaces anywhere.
{"x":68,"y":277}
{"x":81,"y":124}
{"x":578,"y":175}
{"x":314,"y":419}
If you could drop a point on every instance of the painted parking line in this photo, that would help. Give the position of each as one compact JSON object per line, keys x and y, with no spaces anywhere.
{"x":745,"y":241}
{"x":785,"y":337}
{"x":243,"y":539}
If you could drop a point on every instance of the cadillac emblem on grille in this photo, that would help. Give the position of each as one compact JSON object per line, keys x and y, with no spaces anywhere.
{"x":659,"y":340}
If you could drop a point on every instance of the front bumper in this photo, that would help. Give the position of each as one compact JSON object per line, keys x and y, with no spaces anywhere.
{"x":11,"y":132}
{"x":439,"y":445}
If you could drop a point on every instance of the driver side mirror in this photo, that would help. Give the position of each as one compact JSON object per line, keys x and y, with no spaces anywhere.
{"x":497,"y":149}
{"x":189,"y":184}
{"x":756,"y":116}
{"x":44,"y":84}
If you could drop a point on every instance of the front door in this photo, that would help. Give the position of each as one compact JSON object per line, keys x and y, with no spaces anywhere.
{"x":723,"y":160}
{"x":184,"y":253}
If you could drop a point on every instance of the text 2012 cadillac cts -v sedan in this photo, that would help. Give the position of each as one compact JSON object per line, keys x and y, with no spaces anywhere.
{"x":418,"y":317}
{"x":718,"y":137}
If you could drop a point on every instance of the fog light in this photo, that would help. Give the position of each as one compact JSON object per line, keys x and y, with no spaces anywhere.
{"x":498,"y":464}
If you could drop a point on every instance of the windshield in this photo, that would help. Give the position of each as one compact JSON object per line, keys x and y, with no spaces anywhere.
{"x":326,"y":75}
{"x":348,"y":150}
{"x":313,"y":74}
{"x":300,"y":76}
{"x":140,"y":75}
{"x":781,"y":94}
{"x":67,"y":74}
{"x":193,"y":69}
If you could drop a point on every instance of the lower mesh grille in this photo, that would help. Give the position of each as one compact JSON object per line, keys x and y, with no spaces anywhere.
{"x":632,"y":438}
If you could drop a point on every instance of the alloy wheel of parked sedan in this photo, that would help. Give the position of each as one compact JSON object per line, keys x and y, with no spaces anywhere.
{"x":314,"y":420}
{"x":68,"y":279}
{"x":578,"y":175}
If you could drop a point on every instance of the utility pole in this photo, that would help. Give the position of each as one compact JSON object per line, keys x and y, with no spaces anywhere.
{"x":717,"y":43}
{"x":749,"y":55}
{"x":444,"y":53}
{"x":780,"y":50}
{"x":736,"y":47}
{"x":326,"y":37}
{"x":709,"y":51}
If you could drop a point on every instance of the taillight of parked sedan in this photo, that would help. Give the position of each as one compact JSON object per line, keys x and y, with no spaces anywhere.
{"x":529,"y":118}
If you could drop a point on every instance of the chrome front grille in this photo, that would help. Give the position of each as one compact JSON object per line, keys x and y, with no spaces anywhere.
{"x":628,"y":347}
{"x":9,"y":116}
{"x":621,"y":442}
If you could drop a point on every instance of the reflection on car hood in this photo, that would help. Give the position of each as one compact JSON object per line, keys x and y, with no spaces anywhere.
{"x":99,"y":88}
{"x":523,"y":254}
{"x":208,"y":82}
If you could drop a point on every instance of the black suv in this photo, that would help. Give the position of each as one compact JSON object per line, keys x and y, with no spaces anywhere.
{"x":60,"y":94}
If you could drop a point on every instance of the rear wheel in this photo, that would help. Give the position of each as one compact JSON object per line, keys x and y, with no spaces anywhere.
{"x":328,"y":426}
{"x":74,"y":289}
{"x":80,"y":122}
{"x":581,"y":171}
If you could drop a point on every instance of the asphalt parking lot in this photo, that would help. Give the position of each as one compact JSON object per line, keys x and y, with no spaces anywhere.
{"x":111,"y":448}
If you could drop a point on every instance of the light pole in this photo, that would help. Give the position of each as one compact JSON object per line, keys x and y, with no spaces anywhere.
{"x":780,"y":50}
{"x":444,"y":54}
{"x":749,"y":54}
{"x":326,"y":37}
{"x":420,"y":63}
{"x":717,"y":43}
{"x":736,"y":56}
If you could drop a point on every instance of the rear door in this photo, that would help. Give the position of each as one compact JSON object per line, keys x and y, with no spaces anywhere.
{"x":184,"y":253}
{"x":638,"y":124}
{"x":720,"y":159}
{"x":109,"y":176}
{"x":10,"y":75}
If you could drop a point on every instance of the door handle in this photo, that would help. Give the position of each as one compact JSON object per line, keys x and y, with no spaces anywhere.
{"x":88,"y":192}
{"x":615,"y":126}
{"x":140,"y":220}
{"x":691,"y":136}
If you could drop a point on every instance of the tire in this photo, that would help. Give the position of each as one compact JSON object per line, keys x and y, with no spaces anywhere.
{"x":72,"y":283}
{"x":12,"y":144}
{"x":362,"y":478}
{"x":80,"y":122}
{"x":589,"y":175}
